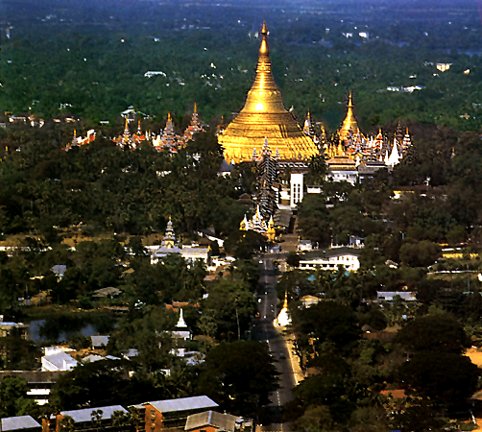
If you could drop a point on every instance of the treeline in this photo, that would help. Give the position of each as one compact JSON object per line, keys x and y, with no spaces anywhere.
{"x":97,"y":74}
{"x":102,"y":187}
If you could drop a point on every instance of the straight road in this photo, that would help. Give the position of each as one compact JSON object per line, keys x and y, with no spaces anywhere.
{"x":265,"y":332}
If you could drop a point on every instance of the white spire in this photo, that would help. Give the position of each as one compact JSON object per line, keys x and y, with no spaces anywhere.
{"x":181,"y":323}
{"x":387,"y":159}
{"x":394,"y":158}
{"x":283,"y":319}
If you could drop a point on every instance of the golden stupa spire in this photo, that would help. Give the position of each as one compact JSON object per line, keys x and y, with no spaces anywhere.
{"x":350,"y":125}
{"x":195,"y":107}
{"x":285,"y":302}
{"x":264,"y":116}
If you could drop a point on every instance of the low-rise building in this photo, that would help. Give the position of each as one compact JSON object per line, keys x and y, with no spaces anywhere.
{"x":331,"y":259}
{"x":56,"y":359}
{"x":87,"y":418}
{"x":20,"y":423}
{"x":390,"y":296}
{"x":172,"y":413}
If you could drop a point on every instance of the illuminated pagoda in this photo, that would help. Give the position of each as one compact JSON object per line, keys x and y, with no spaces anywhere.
{"x":264,"y":116}
{"x":283,"y":319}
{"x":168,"y":139}
{"x":349,"y":127}
{"x":129,"y":140}
{"x":195,"y":126}
{"x":78,"y":141}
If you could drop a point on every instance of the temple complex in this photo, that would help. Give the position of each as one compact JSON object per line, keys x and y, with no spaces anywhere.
{"x":350,"y":152}
{"x":264,"y":116}
{"x":258,"y":224}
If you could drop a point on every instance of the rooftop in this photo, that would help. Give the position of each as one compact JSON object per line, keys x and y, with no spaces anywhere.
{"x":85,"y":415}
{"x":224,"y":422}
{"x":183,"y":404}
{"x":20,"y":422}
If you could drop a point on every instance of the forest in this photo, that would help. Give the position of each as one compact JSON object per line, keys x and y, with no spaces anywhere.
{"x":96,"y":68}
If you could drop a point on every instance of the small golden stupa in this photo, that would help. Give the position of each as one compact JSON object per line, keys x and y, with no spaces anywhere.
{"x":265,"y":117}
{"x":349,"y":126}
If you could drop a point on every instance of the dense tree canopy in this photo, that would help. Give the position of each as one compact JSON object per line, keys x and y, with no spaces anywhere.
{"x":239,"y":375}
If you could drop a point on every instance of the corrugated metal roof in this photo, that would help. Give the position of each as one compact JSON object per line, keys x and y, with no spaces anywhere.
{"x":183,"y":404}
{"x":85,"y":415}
{"x":20,"y":422}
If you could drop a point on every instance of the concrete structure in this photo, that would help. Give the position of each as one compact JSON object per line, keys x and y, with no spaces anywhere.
{"x":171,"y":413}
{"x":296,"y":189}
{"x":331,"y":259}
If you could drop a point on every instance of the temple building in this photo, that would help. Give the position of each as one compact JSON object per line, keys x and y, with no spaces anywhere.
{"x":195,"y":126}
{"x":130,"y":140}
{"x":351,"y":156}
{"x":349,"y":127}
{"x":168,"y":140}
{"x":258,"y":224}
{"x":79,"y":141}
{"x":264,"y":116}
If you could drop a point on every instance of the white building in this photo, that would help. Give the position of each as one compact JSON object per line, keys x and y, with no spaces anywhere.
{"x":332,"y":260}
{"x":56,"y":359}
{"x":296,"y":189}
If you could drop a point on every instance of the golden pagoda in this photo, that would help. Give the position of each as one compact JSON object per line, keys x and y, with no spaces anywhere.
{"x":264,"y":116}
{"x":349,"y":126}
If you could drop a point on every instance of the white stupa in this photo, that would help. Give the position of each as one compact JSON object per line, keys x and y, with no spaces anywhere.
{"x":283,"y":319}
{"x":181,"y":331}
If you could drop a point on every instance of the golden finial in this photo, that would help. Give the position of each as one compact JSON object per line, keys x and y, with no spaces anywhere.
{"x":264,"y":28}
{"x":75,"y":133}
{"x":169,"y":118}
{"x":263,"y":48}
{"x":350,"y":100}
{"x":285,"y":302}
{"x":126,"y":124}
{"x":195,"y":107}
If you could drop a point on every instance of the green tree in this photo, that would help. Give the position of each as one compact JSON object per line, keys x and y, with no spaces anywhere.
{"x":444,"y":377}
{"x":13,"y":397}
{"x":437,"y":333}
{"x":240,"y":376}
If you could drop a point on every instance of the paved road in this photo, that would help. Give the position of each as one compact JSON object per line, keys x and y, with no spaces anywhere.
{"x":264,"y":331}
